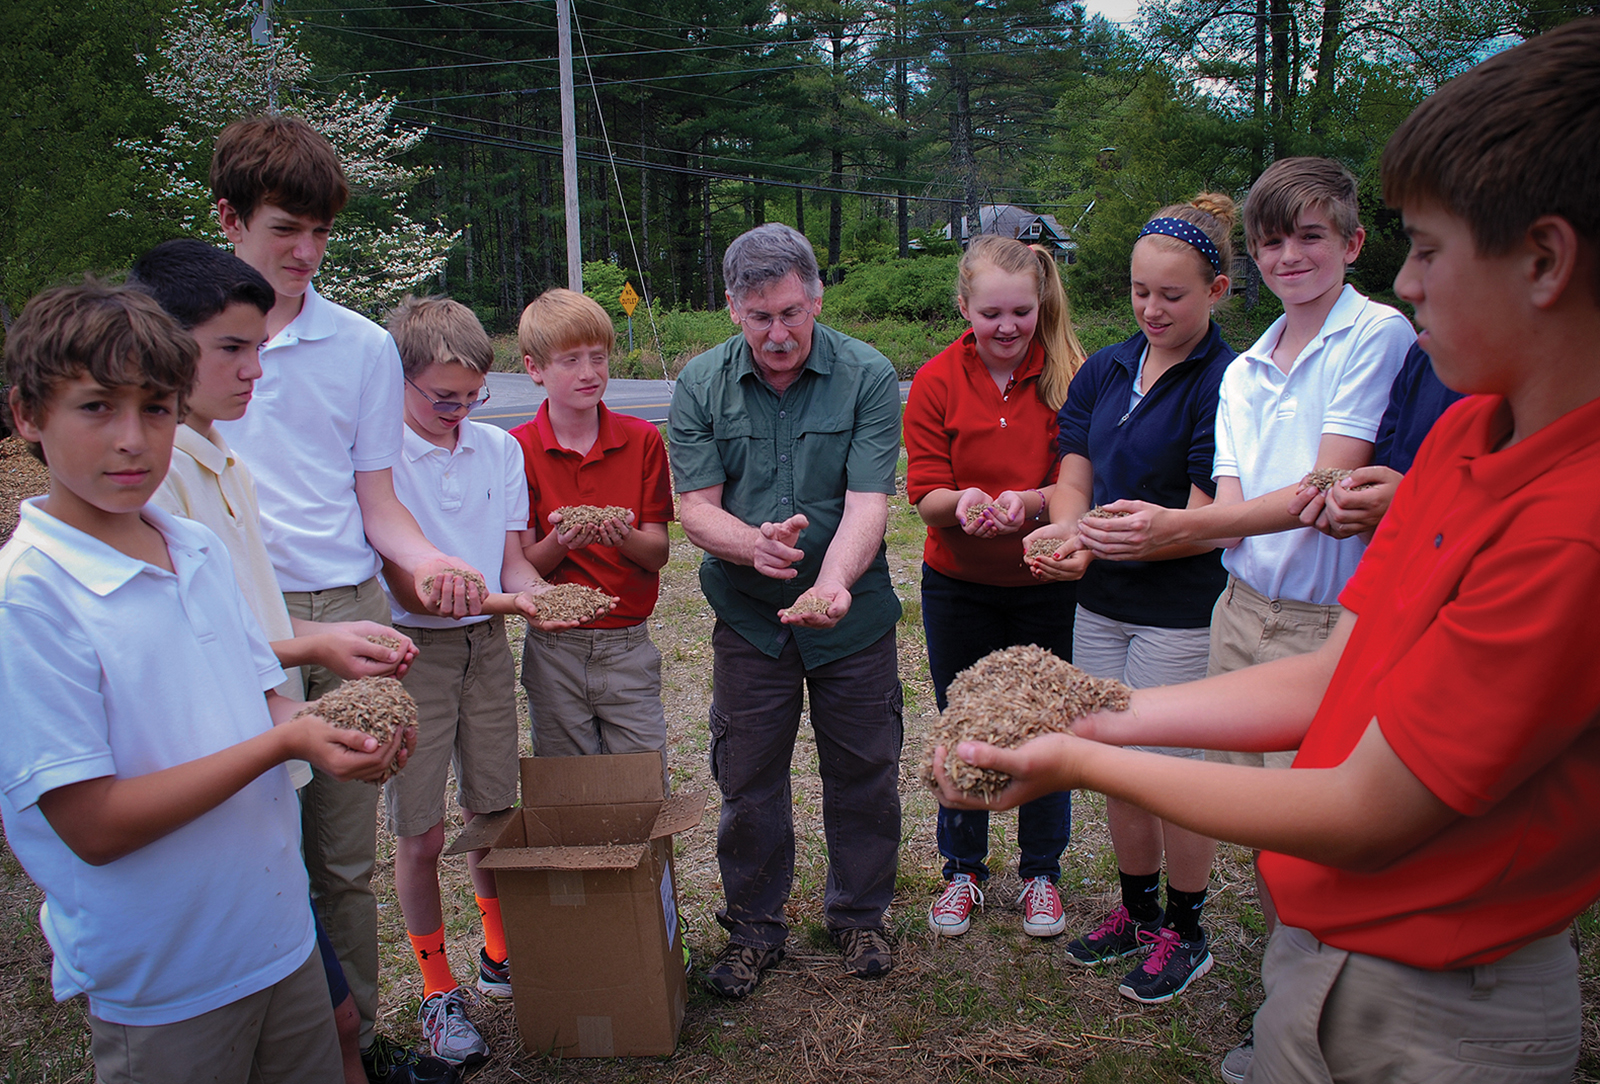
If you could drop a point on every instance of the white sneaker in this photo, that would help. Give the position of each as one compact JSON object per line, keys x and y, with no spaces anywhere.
{"x":450,"y":1034}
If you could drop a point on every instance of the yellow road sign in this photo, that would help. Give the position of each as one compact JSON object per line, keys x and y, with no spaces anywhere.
{"x":630,"y":299}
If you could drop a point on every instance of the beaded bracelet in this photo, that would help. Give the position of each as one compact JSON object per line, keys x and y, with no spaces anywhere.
{"x":1043,"y":504}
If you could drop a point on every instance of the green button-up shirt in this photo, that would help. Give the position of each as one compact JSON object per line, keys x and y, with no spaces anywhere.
{"x":836,"y":428}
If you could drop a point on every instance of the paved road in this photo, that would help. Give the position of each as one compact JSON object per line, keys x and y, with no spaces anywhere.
{"x":514,"y":398}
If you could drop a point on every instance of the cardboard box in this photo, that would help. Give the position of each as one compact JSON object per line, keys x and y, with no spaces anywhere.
{"x":584,"y":869}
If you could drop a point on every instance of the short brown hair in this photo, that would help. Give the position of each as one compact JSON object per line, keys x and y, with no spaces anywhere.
{"x":430,"y":330}
{"x":1516,"y":137}
{"x":559,"y":319}
{"x":117,"y":335}
{"x":1292,"y":186}
{"x":278,"y":160}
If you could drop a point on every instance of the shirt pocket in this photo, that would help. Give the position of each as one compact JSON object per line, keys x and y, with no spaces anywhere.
{"x":821,"y":450}
{"x":744,"y":454}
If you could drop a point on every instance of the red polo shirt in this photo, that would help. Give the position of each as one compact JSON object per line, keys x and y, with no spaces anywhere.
{"x":962,"y":430}
{"x":628,"y":467}
{"x":1475,"y":652}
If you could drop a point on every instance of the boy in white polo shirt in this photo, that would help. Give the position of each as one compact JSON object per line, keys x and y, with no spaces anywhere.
{"x":321,"y":436}
{"x":141,"y":778}
{"x":464,"y":482}
{"x":1309,"y":394}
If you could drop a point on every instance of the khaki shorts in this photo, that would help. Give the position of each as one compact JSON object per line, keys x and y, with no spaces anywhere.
{"x":594,"y":691}
{"x":465,"y":685}
{"x":1248,"y":628}
{"x":284,"y":1033}
{"x":1336,"y":1015}
{"x":1141,"y":657}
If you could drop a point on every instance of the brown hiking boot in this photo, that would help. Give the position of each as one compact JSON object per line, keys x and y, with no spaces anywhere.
{"x":866,"y":951}
{"x":738,"y":968}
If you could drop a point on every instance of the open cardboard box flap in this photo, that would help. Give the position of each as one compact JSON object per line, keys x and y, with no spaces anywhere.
{"x":585,"y":803}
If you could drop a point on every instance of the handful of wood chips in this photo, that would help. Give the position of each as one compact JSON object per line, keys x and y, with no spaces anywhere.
{"x":377,"y":705}
{"x":583,"y":515}
{"x":465,"y":573}
{"x":571,"y":602}
{"x":1006,"y":698}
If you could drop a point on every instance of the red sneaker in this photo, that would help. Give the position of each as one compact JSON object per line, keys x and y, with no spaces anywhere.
{"x":951,"y":913}
{"x":1042,"y":915}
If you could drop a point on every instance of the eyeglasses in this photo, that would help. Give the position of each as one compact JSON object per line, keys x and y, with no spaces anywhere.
{"x":761,"y":321}
{"x":453,"y":406}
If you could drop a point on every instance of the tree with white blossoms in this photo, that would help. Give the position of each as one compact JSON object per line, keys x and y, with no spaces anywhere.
{"x":211,"y":72}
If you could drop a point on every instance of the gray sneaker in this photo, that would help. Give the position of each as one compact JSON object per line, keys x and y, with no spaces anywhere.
{"x":1236,"y":1062}
{"x":450,"y":1034}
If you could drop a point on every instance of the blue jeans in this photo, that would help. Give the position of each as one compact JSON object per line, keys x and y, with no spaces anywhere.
{"x":964,"y":622}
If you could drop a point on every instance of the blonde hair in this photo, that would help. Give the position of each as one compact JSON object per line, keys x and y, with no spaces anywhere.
{"x":1213,"y":214}
{"x":559,"y":319}
{"x":435,"y":329}
{"x":1063,"y":355}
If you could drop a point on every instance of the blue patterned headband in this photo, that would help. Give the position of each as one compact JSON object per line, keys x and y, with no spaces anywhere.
{"x":1186,"y":231}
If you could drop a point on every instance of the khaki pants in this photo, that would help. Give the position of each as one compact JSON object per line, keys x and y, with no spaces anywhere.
{"x":339,"y":821}
{"x":1336,"y":1016}
{"x":284,"y":1033}
{"x":1248,"y":628}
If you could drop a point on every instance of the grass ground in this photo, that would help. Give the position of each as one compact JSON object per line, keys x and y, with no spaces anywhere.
{"x":994,"y":1005}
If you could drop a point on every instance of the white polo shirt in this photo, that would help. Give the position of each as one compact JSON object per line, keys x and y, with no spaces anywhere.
{"x":1269,"y":424}
{"x":115,"y":667}
{"x":465,"y":501}
{"x":328,"y":404}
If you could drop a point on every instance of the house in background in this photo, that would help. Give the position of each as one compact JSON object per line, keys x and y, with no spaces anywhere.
{"x":1007,"y":220}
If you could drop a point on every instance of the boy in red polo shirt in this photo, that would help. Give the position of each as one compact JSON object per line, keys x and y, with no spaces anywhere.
{"x":595,"y":689}
{"x":1437,"y":834}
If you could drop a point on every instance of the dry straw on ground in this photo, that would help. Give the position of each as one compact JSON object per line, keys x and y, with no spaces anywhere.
{"x":571,"y":602}
{"x":806,"y":604}
{"x":465,"y":573}
{"x":1008,"y":697}
{"x":589,"y":515}
{"x":377,"y":706}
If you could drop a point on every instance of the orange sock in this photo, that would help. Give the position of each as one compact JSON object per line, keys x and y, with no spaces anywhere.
{"x":431,"y":958}
{"x":494,"y":933}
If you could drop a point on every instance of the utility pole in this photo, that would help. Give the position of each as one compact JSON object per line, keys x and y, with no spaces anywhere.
{"x":261,"y":34}
{"x":569,"y":147}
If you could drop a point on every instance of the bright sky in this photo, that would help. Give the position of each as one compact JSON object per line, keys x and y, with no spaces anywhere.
{"x":1118,"y":11}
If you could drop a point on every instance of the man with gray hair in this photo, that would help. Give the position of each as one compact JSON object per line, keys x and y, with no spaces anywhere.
{"x":783,"y":442}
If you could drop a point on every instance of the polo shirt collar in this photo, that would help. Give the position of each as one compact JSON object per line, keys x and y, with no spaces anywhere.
{"x":213,"y":456}
{"x":99,"y":567}
{"x":610,"y":438}
{"x":1345,"y":312}
{"x":316,"y":320}
{"x":1128,"y":352}
{"x":1032,"y":363}
{"x":1504,"y":472}
{"x":414,"y":447}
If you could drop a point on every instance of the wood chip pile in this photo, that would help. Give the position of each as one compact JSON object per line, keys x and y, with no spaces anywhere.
{"x":975,"y":514}
{"x":385,"y":640}
{"x":571,"y":602}
{"x":1100,"y":511}
{"x":586,"y":515}
{"x":1008,"y":697}
{"x":466,"y":573}
{"x":1043,"y":547}
{"x":376,"y":706}
{"x":1325,"y":477}
{"x":806,"y":604}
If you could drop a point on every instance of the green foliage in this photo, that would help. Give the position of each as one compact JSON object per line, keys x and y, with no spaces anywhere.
{"x":73,"y":97}
{"x":603,"y":282}
{"x":917,"y":289}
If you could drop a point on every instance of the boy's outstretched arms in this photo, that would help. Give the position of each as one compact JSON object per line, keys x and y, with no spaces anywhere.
{"x":1344,"y":510}
{"x":394,"y":533}
{"x":108,"y":818}
{"x":1363,"y":814}
{"x":346,"y":648}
